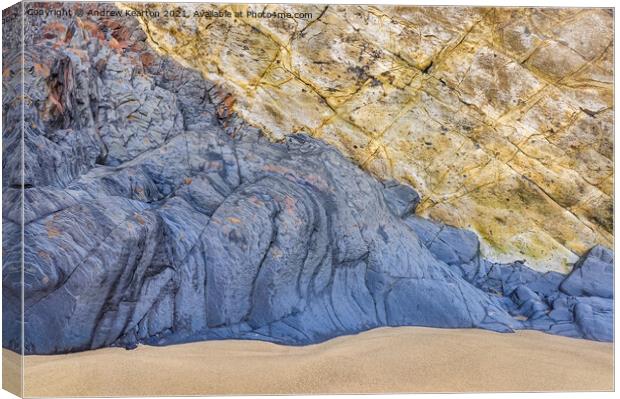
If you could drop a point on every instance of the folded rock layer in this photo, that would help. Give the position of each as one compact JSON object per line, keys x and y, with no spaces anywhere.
{"x":502,"y":119}
{"x":152,"y":214}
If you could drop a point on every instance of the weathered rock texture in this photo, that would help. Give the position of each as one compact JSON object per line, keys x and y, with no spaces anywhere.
{"x":152,"y":214}
{"x":500,"y":118}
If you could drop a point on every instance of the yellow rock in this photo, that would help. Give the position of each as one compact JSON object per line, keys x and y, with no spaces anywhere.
{"x":501,"y":118}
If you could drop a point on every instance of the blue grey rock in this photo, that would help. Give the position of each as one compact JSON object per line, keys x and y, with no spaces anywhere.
{"x":578,"y":305}
{"x":451,"y":245}
{"x":592,"y":275}
{"x":530,"y":304}
{"x":593,"y":317}
{"x":400,"y":198}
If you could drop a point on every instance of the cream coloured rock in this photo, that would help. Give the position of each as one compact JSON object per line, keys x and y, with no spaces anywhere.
{"x":501,"y":118}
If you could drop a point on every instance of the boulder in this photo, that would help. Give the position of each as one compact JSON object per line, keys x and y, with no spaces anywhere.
{"x":592,"y":275}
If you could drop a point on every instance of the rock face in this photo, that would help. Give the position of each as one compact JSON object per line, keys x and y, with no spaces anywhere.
{"x":152,"y":214}
{"x":592,"y":275}
{"x":500,"y":118}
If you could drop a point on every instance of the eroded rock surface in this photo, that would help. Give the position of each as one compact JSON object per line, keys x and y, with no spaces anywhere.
{"x":500,"y":118}
{"x":577,"y":305}
{"x":207,"y":229}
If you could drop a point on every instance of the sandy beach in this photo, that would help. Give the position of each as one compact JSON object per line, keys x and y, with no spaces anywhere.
{"x":407,"y":359}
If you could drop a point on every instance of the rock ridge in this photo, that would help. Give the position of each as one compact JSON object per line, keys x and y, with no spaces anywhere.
{"x":153,"y":214}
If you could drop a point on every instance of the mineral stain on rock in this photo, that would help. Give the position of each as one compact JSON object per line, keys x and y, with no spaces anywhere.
{"x":154,"y":214}
{"x":501,"y":118}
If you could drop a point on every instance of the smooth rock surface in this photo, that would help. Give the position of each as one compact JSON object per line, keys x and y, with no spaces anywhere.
{"x":592,"y":275}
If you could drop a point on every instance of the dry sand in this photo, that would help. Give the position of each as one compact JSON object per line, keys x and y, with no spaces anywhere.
{"x":407,"y":359}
